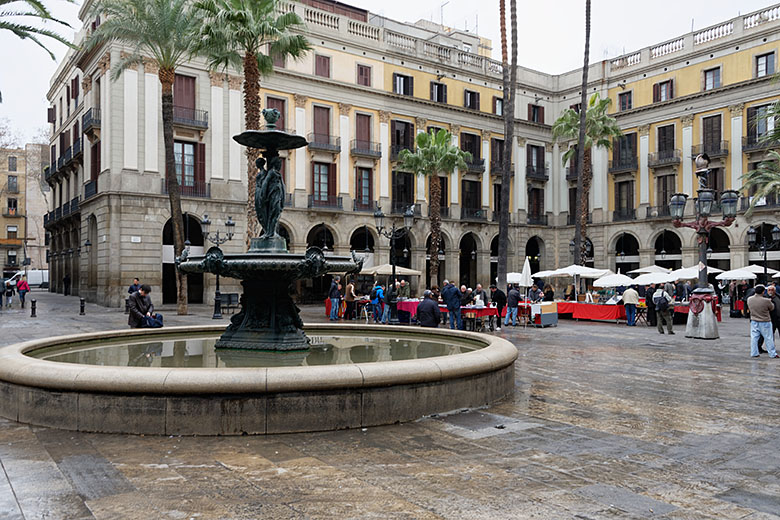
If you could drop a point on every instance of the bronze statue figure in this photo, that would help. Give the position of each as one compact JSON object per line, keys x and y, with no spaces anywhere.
{"x":269,"y":195}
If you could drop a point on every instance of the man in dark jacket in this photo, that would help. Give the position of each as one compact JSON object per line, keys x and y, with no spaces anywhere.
{"x":428,"y":313}
{"x":390,"y":300}
{"x":512,"y":300}
{"x":498,"y":297}
{"x":650,"y":306}
{"x":140,"y":306}
{"x":335,"y":298}
{"x":451,"y":296}
{"x":135,"y":286}
{"x":771,"y":293}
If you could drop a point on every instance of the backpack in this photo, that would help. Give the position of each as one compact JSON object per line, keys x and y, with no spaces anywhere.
{"x":661,"y":303}
{"x":373,"y":294}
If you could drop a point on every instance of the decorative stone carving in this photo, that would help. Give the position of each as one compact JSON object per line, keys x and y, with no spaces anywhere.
{"x":455,"y":130}
{"x":344,"y":109}
{"x":104,"y":63}
{"x":235,"y":82}
{"x":300,"y":101}
{"x":687,"y":120}
{"x":384,"y":116}
{"x":521,"y":141}
{"x":86,"y":84}
{"x":421,"y":122}
{"x":737,"y":109}
{"x":486,"y":135}
{"x":644,"y":130}
{"x":150,"y":66}
{"x":217,"y":79}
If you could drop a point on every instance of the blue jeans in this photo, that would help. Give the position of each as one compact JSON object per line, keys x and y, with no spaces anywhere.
{"x":630,"y":313}
{"x":386,"y":315}
{"x":455,"y":317}
{"x":762,"y":328}
{"x":511,"y":312}
{"x":377,"y":312}
{"x":334,"y":308}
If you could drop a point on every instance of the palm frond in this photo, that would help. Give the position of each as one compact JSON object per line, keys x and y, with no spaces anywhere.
{"x":764,"y":181}
{"x":600,"y":127}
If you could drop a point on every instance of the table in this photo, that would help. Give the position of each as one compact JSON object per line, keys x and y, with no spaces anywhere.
{"x":592,"y":311}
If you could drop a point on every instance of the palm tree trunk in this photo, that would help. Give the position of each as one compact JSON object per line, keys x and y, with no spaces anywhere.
{"x":587,"y":178}
{"x":434,"y":213}
{"x":252,"y":122}
{"x":509,"y":80}
{"x":166,"y":77}
{"x":579,"y":242}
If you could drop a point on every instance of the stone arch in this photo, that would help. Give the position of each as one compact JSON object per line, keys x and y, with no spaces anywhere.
{"x":667,"y":249}
{"x":361,"y":239}
{"x":479,"y":239}
{"x":468,"y":249}
{"x":322,"y":236}
{"x":285,"y":233}
{"x":534,"y":250}
{"x":292,"y":232}
{"x":193,"y":233}
{"x":625,"y":251}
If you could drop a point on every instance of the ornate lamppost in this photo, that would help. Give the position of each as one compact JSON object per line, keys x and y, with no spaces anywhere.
{"x":217,"y":239}
{"x":701,"y":319}
{"x":393,"y":234}
{"x":765,"y":245}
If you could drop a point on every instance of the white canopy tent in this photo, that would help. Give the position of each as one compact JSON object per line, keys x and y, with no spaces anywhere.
{"x":387,"y":269}
{"x":614,"y":280}
{"x":650,"y":269}
{"x":737,"y":274}
{"x":648,"y":278}
{"x":692,"y":273}
{"x":576,"y":272}
{"x":758,"y":269}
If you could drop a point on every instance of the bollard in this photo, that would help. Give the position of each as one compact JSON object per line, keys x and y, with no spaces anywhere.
{"x":32,"y":309}
{"x":82,"y":302}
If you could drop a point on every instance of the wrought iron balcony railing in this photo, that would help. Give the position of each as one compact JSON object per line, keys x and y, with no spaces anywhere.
{"x":476,"y":165}
{"x":571,"y":218}
{"x":663,"y":158}
{"x":326,"y":201}
{"x":538,"y":173}
{"x":67,"y":157}
{"x":620,"y":215}
{"x":78,"y":150}
{"x":473,"y":214}
{"x":194,"y":189}
{"x":754,"y":142}
{"x":571,"y":173}
{"x":90,"y":120}
{"x":658,"y":212}
{"x":536,"y":220}
{"x":90,"y":189}
{"x":395,"y":150}
{"x":324,"y":142}
{"x":365,"y":148}
{"x":191,"y":117}
{"x":398,"y":207}
{"x":367,"y":206}
{"x":623,"y":164}
{"x":716,"y":149}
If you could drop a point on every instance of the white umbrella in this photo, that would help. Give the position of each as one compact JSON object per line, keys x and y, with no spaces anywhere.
{"x":736,"y":274}
{"x":387,"y":269}
{"x":692,"y":273}
{"x":614,"y":280}
{"x":582,"y":271}
{"x":759,"y":269}
{"x":525,"y":276}
{"x":650,"y":269}
{"x":648,"y":278}
{"x":545,"y":274}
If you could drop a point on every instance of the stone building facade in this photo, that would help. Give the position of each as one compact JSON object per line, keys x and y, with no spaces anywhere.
{"x":367,"y":88}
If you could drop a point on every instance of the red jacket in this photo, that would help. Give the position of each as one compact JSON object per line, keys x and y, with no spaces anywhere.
{"x":22,"y":286}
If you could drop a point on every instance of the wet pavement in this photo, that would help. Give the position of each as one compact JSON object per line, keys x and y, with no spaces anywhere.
{"x":607,"y":422}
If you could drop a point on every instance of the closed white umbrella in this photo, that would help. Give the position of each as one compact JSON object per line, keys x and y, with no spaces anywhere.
{"x":614,"y":280}
{"x":736,"y":274}
{"x":525,"y":276}
{"x":650,"y":269}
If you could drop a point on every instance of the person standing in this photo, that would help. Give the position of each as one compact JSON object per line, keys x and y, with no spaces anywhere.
{"x":662,"y":300}
{"x":140,"y":307}
{"x":9,"y":293}
{"x":134,"y":286}
{"x":451,"y":296}
{"x":535,"y":295}
{"x":335,"y":298}
{"x":499,"y":298}
{"x":350,"y":297}
{"x":761,"y":308}
{"x":390,"y":298}
{"x":428,"y":313}
{"x":404,"y":291}
{"x":22,"y":288}
{"x":630,"y":301}
{"x":512,"y":300}
{"x":480,"y":293}
{"x":377,"y":296}
{"x":651,"y":318}
{"x":549,"y":293}
{"x":66,"y":285}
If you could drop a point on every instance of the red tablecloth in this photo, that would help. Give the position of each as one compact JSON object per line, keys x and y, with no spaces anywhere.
{"x":592,"y":311}
{"x":683,"y":309}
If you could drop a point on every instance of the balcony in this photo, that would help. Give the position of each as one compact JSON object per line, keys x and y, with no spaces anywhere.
{"x":47,"y":173}
{"x":571,"y":173}
{"x":369,"y":206}
{"x":623,"y":164}
{"x":537,"y":173}
{"x":365,"y":149}
{"x":58,"y":213}
{"x":74,"y":205}
{"x":90,"y":189}
{"x":195,"y":189}
{"x":536,"y":220}
{"x":658,"y":212}
{"x":66,"y":209}
{"x":78,"y":150}
{"x":91,"y":120}
{"x":12,"y":189}
{"x":326,"y":202}
{"x":476,"y":165}
{"x":570,"y":219}
{"x":12,"y":213}
{"x":663,"y":158}
{"x":398,"y":207}
{"x":67,"y":157}
{"x":473,"y":214}
{"x":751,"y":143}
{"x":324,"y":143}
{"x":444,"y":211}
{"x":716,"y":149}
{"x":395,"y":150}
{"x":190,"y":117}
{"x":46,"y":219}
{"x":768,"y":203}
{"x":60,"y":164}
{"x":622,"y":215}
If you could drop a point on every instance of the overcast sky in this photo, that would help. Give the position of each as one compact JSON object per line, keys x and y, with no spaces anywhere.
{"x":550,"y":37}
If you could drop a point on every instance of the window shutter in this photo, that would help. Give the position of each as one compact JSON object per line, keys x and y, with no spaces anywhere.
{"x":632,"y":141}
{"x":332,"y":180}
{"x":494,"y":104}
{"x":671,"y":89}
{"x":200,"y":165}
{"x":96,"y":161}
{"x":476,"y":100}
{"x":541,"y":115}
{"x":67,"y":95}
{"x":656,"y":93}
{"x":751,"y":120}
{"x":51,"y":114}
{"x":540,"y":157}
{"x":76,"y":134}
{"x":358,"y":185}
{"x":445,"y":92}
{"x":433,"y":91}
{"x":770,"y":63}
{"x":313,"y":181}
{"x":75,"y":87}
{"x":529,"y":153}
{"x":530,"y":112}
{"x":395,"y":83}
{"x":411,"y":87}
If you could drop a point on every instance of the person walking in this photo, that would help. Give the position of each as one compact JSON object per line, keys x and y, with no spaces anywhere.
{"x":771,"y":293}
{"x":66,"y":285}
{"x":662,"y":300}
{"x":22,"y":288}
{"x":649,"y":292}
{"x":335,"y":298}
{"x":451,"y":296}
{"x":350,"y":297}
{"x":512,"y":300}
{"x":428,"y":313}
{"x":377,"y":296}
{"x":9,"y":294}
{"x":498,"y":297}
{"x":630,"y":301}
{"x":761,"y":308}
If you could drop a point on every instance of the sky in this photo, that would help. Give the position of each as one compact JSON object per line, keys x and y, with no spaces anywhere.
{"x":550,"y":38}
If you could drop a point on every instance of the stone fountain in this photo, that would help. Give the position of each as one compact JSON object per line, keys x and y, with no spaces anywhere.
{"x":269,"y":320}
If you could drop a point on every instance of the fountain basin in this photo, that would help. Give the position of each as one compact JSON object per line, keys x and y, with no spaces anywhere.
{"x":258,"y":400}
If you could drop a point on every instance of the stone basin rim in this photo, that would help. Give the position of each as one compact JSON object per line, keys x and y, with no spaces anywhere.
{"x":20,"y":369}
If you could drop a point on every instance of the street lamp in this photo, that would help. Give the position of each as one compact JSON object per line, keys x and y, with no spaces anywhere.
{"x":765,"y":245}
{"x":393,"y":234}
{"x":217,"y":239}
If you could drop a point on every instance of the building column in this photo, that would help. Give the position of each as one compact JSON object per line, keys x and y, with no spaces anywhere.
{"x":690,"y":256}
{"x":455,"y":181}
{"x":559,"y":182}
{"x":486,"y":172}
{"x":300,"y":153}
{"x":483,"y":268}
{"x":130,"y":120}
{"x":384,"y":162}
{"x":521,"y":201}
{"x":646,"y":257}
{"x":344,"y":170}
{"x":452,"y":263}
{"x":421,"y":197}
{"x":644,"y":172}
{"x":736,"y":146}
{"x":687,"y":143}
{"x":739,"y":255}
{"x":217,"y":125}
{"x":236,"y":122}
{"x":600,"y":195}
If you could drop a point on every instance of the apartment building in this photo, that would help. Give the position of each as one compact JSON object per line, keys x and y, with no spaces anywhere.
{"x":367,"y":88}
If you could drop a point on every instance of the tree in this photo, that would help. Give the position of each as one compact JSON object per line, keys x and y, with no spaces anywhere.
{"x":508,"y":111}
{"x":764,"y":181}
{"x":435,"y":155}
{"x":9,"y":137}
{"x":247,"y":35}
{"x":598,"y":130}
{"x":166,"y":31}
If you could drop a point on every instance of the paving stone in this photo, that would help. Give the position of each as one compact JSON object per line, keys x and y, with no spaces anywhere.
{"x":626,"y":500}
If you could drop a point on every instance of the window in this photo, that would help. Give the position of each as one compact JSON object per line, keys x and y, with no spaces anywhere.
{"x":666,"y":186}
{"x":183,"y":94}
{"x":624,"y":149}
{"x":11,"y":231}
{"x":471,"y":99}
{"x":13,"y":184}
{"x":443,"y":195}
{"x":322,"y":66}
{"x":363,"y":188}
{"x":11,"y":163}
{"x":536,"y":202}
{"x":666,"y":138}
{"x":496,"y":152}
{"x":759,"y":124}
{"x":624,"y":197}
{"x":324,"y":183}
{"x":467,"y":47}
{"x":470,"y":143}
{"x":363,"y":131}
{"x":403,"y":85}
{"x":576,"y":107}
{"x":496,"y":199}
{"x":402,"y":191}
{"x":711,"y":79}
{"x":94,"y":167}
{"x":322,"y":125}
{"x":11,"y":207}
{"x":278,"y":61}
{"x":438,"y":92}
{"x":765,"y":65}
{"x":364,"y":75}
{"x":498,"y":106}
{"x":12,"y":257}
{"x":401,"y":135}
{"x":280,"y":105}
{"x":184,"y":157}
{"x":711,"y":134}
{"x":625,"y":101}
{"x":663,"y":91}
{"x":535,"y":113}
{"x":472,"y":195}
{"x":535,"y":159}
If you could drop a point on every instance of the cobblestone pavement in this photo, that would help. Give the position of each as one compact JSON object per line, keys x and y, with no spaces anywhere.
{"x":607,"y":422}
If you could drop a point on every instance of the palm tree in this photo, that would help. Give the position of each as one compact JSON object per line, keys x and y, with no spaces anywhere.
{"x":765,"y":180}
{"x":247,"y":35}
{"x":165,"y":32}
{"x":599,"y":130}
{"x":435,"y":155}
{"x":581,"y":219}
{"x":508,"y":111}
